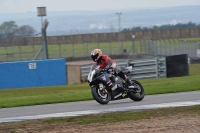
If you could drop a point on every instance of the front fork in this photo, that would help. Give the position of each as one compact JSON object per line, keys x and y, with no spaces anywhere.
{"x":102,"y":88}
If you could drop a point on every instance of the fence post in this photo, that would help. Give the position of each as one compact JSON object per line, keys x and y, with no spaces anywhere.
{"x":189,"y":48}
{"x":149,"y":47}
{"x":83,"y":49}
{"x":176,"y":47}
{"x":162,"y":48}
{"x":98,"y":44}
{"x":44,"y":42}
{"x":140,"y":47}
{"x":33,"y":49}
{"x":193,"y":48}
{"x":180,"y":48}
{"x":122,"y":49}
{"x":170,"y":47}
{"x":44,"y":39}
{"x":157,"y":67}
{"x":59,"y":50}
{"x":73,"y":42}
{"x":86,"y":49}
{"x":6,"y":53}
{"x":13,"y":45}
{"x":165,"y":47}
{"x":198,"y":45}
{"x":98,"y":41}
{"x":197,"y":49}
{"x":185,"y":44}
{"x":173,"y":46}
{"x":73,"y":50}
{"x":155,"y":47}
{"x":110,"y":48}
{"x":145,"y":46}
{"x":20,"y":53}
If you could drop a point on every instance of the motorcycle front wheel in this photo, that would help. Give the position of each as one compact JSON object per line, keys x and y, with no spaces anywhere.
{"x":100,"y":97}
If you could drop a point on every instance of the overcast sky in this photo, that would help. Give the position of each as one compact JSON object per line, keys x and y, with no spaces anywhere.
{"x":12,"y":6}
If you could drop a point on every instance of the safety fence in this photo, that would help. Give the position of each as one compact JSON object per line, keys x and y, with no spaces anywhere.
{"x":168,"y":47}
{"x":25,"y":53}
{"x":146,"y":47}
{"x":142,"y":69}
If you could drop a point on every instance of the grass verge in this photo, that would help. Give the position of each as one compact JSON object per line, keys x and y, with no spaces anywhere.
{"x":49,"y":124}
{"x":123,"y":116}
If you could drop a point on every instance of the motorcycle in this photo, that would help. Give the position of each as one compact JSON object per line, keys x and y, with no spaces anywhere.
{"x":107,"y":86}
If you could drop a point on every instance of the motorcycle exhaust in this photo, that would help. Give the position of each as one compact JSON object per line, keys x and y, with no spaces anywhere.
{"x":114,"y":87}
{"x":118,"y":95}
{"x":121,"y":94}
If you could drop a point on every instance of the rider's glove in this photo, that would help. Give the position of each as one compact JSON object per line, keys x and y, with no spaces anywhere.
{"x":105,"y":70}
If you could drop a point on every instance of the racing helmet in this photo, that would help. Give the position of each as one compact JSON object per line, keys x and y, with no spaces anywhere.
{"x":95,"y":54}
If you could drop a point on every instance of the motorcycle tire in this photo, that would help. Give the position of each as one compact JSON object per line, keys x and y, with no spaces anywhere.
{"x":96,"y":95}
{"x":133,"y":95}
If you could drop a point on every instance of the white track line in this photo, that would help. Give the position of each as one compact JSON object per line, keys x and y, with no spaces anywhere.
{"x":87,"y":112}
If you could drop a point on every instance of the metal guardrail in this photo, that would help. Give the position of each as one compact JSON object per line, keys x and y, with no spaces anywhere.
{"x":144,"y":68}
{"x":148,"y":68}
{"x":86,"y":68}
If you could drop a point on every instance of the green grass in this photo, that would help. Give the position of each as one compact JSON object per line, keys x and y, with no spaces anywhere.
{"x":194,"y":69}
{"x":81,"y":92}
{"x":43,"y":95}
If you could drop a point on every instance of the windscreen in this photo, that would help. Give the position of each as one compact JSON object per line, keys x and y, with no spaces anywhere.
{"x":94,"y":66}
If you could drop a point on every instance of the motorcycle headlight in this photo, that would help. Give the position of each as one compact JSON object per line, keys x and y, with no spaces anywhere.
{"x":91,"y":75}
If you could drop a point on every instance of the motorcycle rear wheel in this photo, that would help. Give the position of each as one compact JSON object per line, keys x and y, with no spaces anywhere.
{"x":139,"y":94}
{"x":102,"y":98}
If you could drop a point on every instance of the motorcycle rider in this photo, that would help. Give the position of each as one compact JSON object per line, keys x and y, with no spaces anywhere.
{"x":105,"y":62}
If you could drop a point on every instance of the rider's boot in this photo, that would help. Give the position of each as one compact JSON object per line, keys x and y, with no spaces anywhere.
{"x":129,"y":82}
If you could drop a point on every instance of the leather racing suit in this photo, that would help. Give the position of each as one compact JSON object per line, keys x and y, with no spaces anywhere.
{"x":105,"y":62}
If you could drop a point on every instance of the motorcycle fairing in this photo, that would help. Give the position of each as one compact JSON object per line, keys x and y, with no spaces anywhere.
{"x":105,"y":79}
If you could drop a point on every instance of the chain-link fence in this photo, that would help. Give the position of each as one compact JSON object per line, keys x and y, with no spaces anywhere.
{"x":16,"y":52}
{"x":168,"y":47}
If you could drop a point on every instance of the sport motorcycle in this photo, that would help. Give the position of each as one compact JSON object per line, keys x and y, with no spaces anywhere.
{"x":107,"y":86}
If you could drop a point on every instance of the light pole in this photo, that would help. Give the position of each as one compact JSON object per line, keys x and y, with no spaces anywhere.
{"x":119,"y":21}
{"x":41,"y":11}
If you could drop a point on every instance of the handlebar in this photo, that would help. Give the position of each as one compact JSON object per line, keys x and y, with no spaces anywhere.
{"x":109,"y":71}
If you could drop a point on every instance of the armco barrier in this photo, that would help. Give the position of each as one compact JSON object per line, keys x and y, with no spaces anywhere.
{"x":148,"y":68}
{"x":34,"y":73}
{"x":143,"y":68}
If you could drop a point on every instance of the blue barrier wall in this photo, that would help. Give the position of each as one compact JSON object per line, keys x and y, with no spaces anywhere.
{"x":33,"y":73}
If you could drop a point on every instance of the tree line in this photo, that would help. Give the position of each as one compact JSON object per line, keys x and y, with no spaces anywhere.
{"x":10,"y":29}
{"x":164,"y":27}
